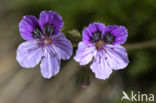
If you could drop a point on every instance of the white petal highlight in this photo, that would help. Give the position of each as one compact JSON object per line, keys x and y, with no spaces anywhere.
{"x":100,"y":66}
{"x":29,"y":54}
{"x":85,"y":53}
{"x":50,"y":63}
{"x":117,"y":56}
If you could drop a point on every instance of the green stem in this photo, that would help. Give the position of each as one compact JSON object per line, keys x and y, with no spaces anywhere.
{"x":134,"y":46}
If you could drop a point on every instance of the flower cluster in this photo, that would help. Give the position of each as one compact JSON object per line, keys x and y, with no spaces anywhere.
{"x":44,"y":42}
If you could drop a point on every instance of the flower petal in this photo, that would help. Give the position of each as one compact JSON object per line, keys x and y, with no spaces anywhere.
{"x":96,"y":27}
{"x":120,"y":33}
{"x":101,"y":67}
{"x":27,"y":26}
{"x":50,"y":63}
{"x":51,"y":17}
{"x":29,"y":54}
{"x":92,"y":28}
{"x":116,"y":56}
{"x":62,"y":46}
{"x":85,"y":53}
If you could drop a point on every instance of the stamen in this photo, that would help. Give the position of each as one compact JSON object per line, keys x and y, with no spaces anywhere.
{"x":100,"y":44}
{"x":108,"y":38}
{"x":48,"y":29}
{"x":96,"y":37}
{"x":37,"y":33}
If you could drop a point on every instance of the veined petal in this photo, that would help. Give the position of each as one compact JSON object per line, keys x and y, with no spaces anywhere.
{"x":50,"y":64}
{"x":96,"y":26}
{"x":27,"y":26}
{"x":120,"y":33}
{"x":62,"y":46}
{"x":85,"y":53}
{"x":100,"y":66}
{"x":29,"y":54}
{"x":116,"y":56}
{"x":52,"y":18}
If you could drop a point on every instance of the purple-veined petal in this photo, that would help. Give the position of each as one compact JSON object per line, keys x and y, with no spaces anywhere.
{"x":51,"y":17}
{"x":85,"y":53}
{"x":86,"y":35}
{"x":120,"y":33}
{"x":96,"y":27}
{"x":116,"y":56}
{"x":92,"y":28}
{"x":29,"y":54}
{"x":27,"y":26}
{"x":62,"y":46}
{"x":100,"y":66}
{"x":50,"y":63}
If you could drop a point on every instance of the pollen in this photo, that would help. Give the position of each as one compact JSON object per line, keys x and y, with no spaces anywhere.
{"x":100,"y":44}
{"x":47,"y":40}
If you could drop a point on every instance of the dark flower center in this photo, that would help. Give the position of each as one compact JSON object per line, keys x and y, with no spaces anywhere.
{"x":45,"y":35}
{"x":37,"y":33}
{"x":107,"y":38}
{"x":48,"y":29}
{"x":96,"y":37}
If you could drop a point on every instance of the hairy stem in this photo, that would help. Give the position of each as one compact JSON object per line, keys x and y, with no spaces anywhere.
{"x":134,"y":46}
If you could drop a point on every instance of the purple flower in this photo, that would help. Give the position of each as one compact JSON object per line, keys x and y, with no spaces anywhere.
{"x":44,"y":43}
{"x":101,"y":44}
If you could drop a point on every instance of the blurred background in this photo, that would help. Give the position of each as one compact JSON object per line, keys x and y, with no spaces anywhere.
{"x":18,"y":85}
